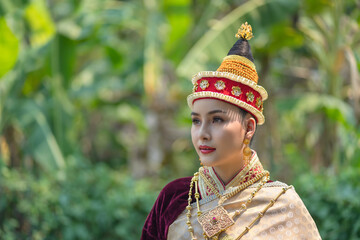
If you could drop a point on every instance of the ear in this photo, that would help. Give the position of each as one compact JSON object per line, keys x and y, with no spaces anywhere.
{"x":250,"y":126}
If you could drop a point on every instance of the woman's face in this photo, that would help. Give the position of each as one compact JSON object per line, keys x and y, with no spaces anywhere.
{"x":217,"y":132}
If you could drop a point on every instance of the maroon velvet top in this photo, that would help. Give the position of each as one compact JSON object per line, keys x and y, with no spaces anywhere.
{"x":170,"y":203}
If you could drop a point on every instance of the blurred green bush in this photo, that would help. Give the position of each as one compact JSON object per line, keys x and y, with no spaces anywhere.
{"x":85,"y":202}
{"x":333,"y":202}
{"x":91,"y":86}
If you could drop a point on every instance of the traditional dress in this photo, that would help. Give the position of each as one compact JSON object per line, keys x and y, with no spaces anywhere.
{"x":250,"y":206}
{"x":286,"y":218}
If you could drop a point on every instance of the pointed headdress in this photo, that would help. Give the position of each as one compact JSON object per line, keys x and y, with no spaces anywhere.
{"x":235,"y":81}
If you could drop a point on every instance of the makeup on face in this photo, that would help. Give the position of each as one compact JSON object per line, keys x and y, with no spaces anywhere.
{"x":217,"y":132}
{"x":204,"y":149}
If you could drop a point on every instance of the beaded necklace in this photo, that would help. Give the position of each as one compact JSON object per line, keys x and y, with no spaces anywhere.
{"x":218,"y":219}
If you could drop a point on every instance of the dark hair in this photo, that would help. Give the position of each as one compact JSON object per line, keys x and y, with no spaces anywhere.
{"x":243,"y":115}
{"x":242,"y":48}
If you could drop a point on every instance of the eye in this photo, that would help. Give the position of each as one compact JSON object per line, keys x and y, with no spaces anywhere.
{"x":217,"y":120}
{"x":195,"y":121}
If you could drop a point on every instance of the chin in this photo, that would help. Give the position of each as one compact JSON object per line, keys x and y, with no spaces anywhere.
{"x":208,"y":163}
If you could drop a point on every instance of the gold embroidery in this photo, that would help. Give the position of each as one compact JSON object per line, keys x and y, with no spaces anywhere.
{"x":218,"y":220}
{"x":250,"y":97}
{"x":259,"y":116}
{"x":239,"y":68}
{"x":204,"y":84}
{"x":220,"y":85}
{"x":195,"y":87}
{"x":240,"y":59}
{"x":215,"y":221}
{"x":258,"y":102}
{"x":233,"y":77}
{"x":236,"y":91}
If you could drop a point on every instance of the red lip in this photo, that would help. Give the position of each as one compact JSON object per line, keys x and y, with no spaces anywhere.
{"x":206,"y":149}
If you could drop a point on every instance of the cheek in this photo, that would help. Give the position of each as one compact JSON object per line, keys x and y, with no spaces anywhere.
{"x":231,"y":137}
{"x":193,"y":135}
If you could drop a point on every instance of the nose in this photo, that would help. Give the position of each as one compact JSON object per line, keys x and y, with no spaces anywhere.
{"x":204,"y":132}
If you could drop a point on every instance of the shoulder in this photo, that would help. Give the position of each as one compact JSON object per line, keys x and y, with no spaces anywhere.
{"x":284,"y":190}
{"x":287,"y":216}
{"x":276,"y":184}
{"x":173,"y":196}
{"x":170,"y":203}
{"x":176,"y":187}
{"x":283,"y":214}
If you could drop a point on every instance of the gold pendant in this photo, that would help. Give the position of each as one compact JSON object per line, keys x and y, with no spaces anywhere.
{"x":215,"y":221}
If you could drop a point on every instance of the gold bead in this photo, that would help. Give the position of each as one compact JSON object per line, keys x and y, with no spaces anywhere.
{"x":246,"y":141}
{"x":197,"y":195}
{"x":190,"y":229}
{"x":247,"y":151}
{"x":188,"y":223}
{"x":188,"y":208}
{"x":199,"y":213}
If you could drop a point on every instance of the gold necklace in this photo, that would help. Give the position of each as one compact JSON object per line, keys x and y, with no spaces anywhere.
{"x":262,"y":213}
{"x":218,"y":220}
{"x":233,"y":193}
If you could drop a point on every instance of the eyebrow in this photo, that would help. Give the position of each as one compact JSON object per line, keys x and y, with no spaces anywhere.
{"x":209,"y":113}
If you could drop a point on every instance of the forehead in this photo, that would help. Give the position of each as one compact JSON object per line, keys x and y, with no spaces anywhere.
{"x":207,"y":104}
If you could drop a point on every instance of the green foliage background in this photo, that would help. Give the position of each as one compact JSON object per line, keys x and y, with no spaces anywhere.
{"x":94,"y":122}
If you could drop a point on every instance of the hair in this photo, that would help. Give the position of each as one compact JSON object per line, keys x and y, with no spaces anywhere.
{"x":243,"y":114}
{"x":241,"y":48}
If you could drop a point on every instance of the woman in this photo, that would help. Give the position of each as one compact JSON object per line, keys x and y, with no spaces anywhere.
{"x":231,"y":197}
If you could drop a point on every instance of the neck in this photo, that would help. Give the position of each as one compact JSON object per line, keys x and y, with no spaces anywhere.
{"x":227,"y":173}
{"x":226,"y":176}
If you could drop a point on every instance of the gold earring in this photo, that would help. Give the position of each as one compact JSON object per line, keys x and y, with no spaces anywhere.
{"x":201,"y":162}
{"x":247,"y":152}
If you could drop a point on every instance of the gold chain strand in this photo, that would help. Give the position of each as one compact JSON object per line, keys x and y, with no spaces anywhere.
{"x":262,"y":213}
{"x":244,"y":205}
{"x":197,"y":196}
{"x":243,"y":186}
{"x":208,"y":183}
{"x":216,"y":192}
{"x":188,"y":207}
{"x":239,"y":188}
{"x":194,"y":181}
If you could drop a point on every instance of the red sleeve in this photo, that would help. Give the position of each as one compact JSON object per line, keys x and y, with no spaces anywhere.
{"x":170,"y":203}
